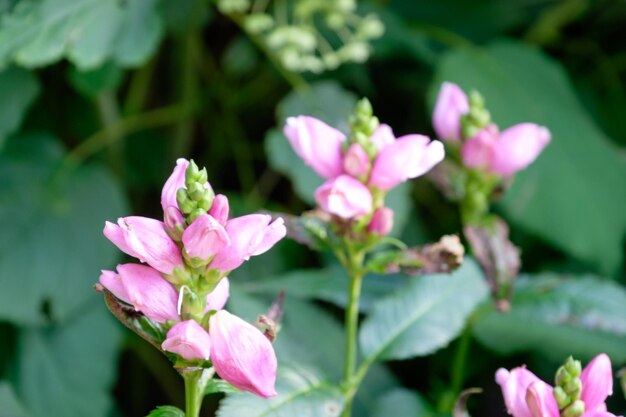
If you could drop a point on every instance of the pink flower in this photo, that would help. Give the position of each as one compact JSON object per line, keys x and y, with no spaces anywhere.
{"x":345,"y":197}
{"x":147,"y":240}
{"x":219,"y":209}
{"x":356,"y":162}
{"x":174,"y":222}
{"x":382,"y":221}
{"x":189,"y":340}
{"x":318,"y":144}
{"x":518,"y":147}
{"x":382,"y":136}
{"x":407,"y":157}
{"x":173,"y":183}
{"x":143,"y":288}
{"x":249,"y":235}
{"x":216,"y":300}
{"x":508,"y":152}
{"x":242,"y":355}
{"x":525,"y":395}
{"x":204,"y":238}
{"x":451,"y":104}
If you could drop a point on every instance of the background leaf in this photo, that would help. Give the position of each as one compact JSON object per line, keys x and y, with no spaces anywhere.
{"x":423,"y":316}
{"x":167,"y":411}
{"x":401,"y":402}
{"x":18,"y":90}
{"x":9,"y":404}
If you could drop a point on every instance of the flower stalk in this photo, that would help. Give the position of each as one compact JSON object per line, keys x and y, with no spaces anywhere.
{"x":196,"y":380}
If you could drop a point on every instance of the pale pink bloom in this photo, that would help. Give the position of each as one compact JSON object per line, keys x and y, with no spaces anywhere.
{"x":175,"y":181}
{"x":145,"y":289}
{"x":407,"y":157}
{"x":204,"y":238}
{"x":189,"y":340}
{"x":525,"y":395}
{"x":382,"y":221}
{"x":147,"y":240}
{"x":344,"y":196}
{"x":451,"y":104}
{"x":174,"y":222}
{"x":249,"y":235}
{"x":219,"y":209}
{"x":479,"y":151}
{"x":518,"y":146}
{"x":356,"y":162}
{"x":318,"y":144}
{"x":216,"y":300}
{"x":242,"y":355}
{"x":382,"y":136}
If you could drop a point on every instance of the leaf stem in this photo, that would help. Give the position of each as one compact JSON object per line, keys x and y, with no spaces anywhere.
{"x":196,"y":380}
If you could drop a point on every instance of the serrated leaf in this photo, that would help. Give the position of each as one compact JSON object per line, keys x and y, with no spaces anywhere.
{"x":423,"y":316}
{"x":87,"y":32}
{"x":557,"y":317}
{"x":579,"y":174}
{"x":166,"y":411}
{"x":301,"y":393}
{"x":219,"y":385}
{"x":68,"y":370}
{"x":18,"y":89}
{"x":10,"y":406}
{"x":51,"y":244}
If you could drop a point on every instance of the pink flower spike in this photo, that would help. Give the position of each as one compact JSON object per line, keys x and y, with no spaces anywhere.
{"x":382,"y":221}
{"x":356,"y":162}
{"x":318,"y":144}
{"x":597,"y":381}
{"x":220,"y":208}
{"x":216,"y":300}
{"x":451,"y":104}
{"x":518,"y":146}
{"x":514,"y":385}
{"x":113,"y":282}
{"x":149,"y":292}
{"x":147,"y":240}
{"x":204,"y":238}
{"x":383,"y":136}
{"x":540,"y":400}
{"x":249,"y":235}
{"x":345,"y":197}
{"x":479,"y":151}
{"x":173,"y":183}
{"x":242,"y":355}
{"x":189,"y":340}
{"x":408,"y":157}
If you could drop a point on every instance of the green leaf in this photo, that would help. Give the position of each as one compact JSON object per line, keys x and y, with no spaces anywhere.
{"x":166,"y":411}
{"x":423,"y":316}
{"x":68,"y":370}
{"x":51,"y":242}
{"x":573,"y":195}
{"x":10,"y":406}
{"x":87,"y":32}
{"x":559,"y":316}
{"x":18,"y":90}
{"x":401,"y":402}
{"x":219,"y":385}
{"x":91,"y":83}
{"x":301,"y":392}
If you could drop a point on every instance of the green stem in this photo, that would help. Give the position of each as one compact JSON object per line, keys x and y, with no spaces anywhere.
{"x":110,"y":117}
{"x":458,"y":363}
{"x":196,"y":380}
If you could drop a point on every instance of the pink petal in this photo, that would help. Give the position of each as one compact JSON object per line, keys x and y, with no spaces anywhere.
{"x":479,"y":151}
{"x":189,"y":340}
{"x":382,"y":221}
{"x":356,"y":162}
{"x":541,"y":401}
{"x":597,"y":381}
{"x":115,"y":234}
{"x":514,"y":385}
{"x":318,"y":144}
{"x":204,"y":237}
{"x":175,"y":181}
{"x":113,"y":282}
{"x":451,"y":104}
{"x":220,"y":208}
{"x":518,"y":146}
{"x":383,"y":136}
{"x":216,"y":300}
{"x":345,"y":197}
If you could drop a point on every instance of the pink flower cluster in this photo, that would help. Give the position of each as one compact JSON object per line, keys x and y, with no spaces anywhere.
{"x":525,"y":395}
{"x":354,"y":175}
{"x":502,"y":153}
{"x":180,"y":258}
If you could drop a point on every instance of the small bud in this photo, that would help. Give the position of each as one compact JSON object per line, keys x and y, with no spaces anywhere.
{"x":258,"y":23}
{"x":233,"y":6}
{"x":476,"y":100}
{"x":364,"y":107}
{"x":382,"y":221}
{"x":194,"y":215}
{"x":573,"y":366}
{"x":196,"y":191}
{"x":561,"y":397}
{"x":355,"y":52}
{"x":203,"y":177}
{"x":191,"y":174}
{"x":185,"y":204}
{"x":331,"y":60}
{"x":576,"y":409}
{"x":290,"y":58}
{"x":174,"y":223}
{"x":371,"y":27}
{"x":335,"y":21}
{"x":179,"y":276}
{"x":574,"y":388}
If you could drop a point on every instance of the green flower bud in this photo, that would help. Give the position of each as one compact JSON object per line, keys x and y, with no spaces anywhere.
{"x":277,"y":38}
{"x":191,"y":174}
{"x":364,"y":107}
{"x":335,"y":21}
{"x":180,"y":276}
{"x":476,"y":100}
{"x":561,"y":397}
{"x":331,"y":60}
{"x":356,"y":52}
{"x":196,"y":191}
{"x":370,"y":28}
{"x":360,"y":138}
{"x":345,"y":5}
{"x":573,"y":366}
{"x":313,"y":64}
{"x":233,"y":6}
{"x":373,"y":125}
{"x":185,"y":204}
{"x":576,"y":409}
{"x":290,"y":58}
{"x":258,"y":23}
{"x":573,"y":388}
{"x":303,"y":39}
{"x":194,"y":215}
{"x":203,"y":176}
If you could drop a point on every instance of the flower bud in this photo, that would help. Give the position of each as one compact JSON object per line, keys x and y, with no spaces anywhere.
{"x":356,"y":162}
{"x":147,"y":240}
{"x":145,"y":289}
{"x":576,"y":409}
{"x":189,"y":340}
{"x":191,"y":217}
{"x":174,"y":223}
{"x":382,"y":221}
{"x":518,"y":147}
{"x":204,"y":238}
{"x":175,"y":181}
{"x":561,"y":397}
{"x":408,"y":157}
{"x":345,"y":197}
{"x":479,"y":151}
{"x":219,"y":209}
{"x":242,"y":355}
{"x":258,"y":23}
{"x":318,"y":144}
{"x":451,"y":104}
{"x":186,"y":204}
{"x":191,"y":173}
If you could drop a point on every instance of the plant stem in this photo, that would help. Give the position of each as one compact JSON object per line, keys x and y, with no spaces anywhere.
{"x":355,"y":275}
{"x":195,"y":384}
